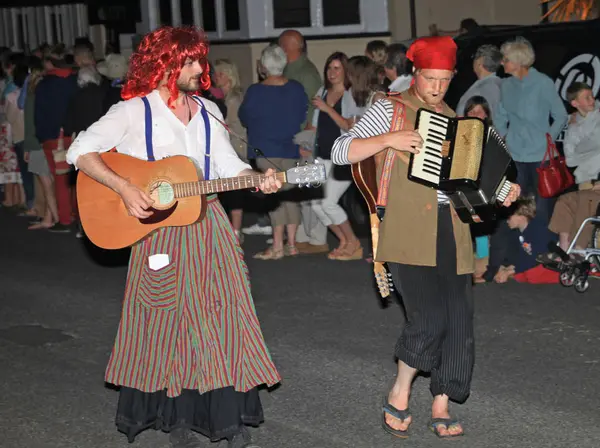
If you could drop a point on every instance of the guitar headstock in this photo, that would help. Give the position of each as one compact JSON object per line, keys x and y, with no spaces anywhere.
{"x":309,"y":175}
{"x":383,"y":279}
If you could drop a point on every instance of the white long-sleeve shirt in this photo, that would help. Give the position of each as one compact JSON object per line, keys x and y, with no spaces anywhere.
{"x":123,"y":128}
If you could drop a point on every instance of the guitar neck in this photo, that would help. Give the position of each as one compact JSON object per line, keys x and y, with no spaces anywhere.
{"x":203,"y":187}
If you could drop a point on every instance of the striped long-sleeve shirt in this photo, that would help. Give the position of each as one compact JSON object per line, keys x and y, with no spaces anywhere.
{"x":377,"y":120}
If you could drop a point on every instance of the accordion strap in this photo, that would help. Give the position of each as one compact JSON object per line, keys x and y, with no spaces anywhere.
{"x":390,"y":154}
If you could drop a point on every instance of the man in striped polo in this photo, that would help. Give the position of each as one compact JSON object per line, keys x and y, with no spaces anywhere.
{"x":189,"y":352}
{"x":426,"y":246}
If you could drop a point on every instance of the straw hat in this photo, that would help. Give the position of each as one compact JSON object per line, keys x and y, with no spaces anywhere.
{"x":115,"y":66}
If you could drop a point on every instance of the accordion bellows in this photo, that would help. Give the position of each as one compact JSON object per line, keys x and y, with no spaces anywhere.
{"x":468,"y":150}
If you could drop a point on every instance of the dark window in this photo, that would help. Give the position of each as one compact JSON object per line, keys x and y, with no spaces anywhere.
{"x":232,"y":15}
{"x":341,"y":12}
{"x":209,"y":15}
{"x":165,"y":12}
{"x":55,"y":37}
{"x":187,"y":12}
{"x":291,"y":13}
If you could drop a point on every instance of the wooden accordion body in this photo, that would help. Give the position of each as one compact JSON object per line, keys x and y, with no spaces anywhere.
{"x":465,"y":159}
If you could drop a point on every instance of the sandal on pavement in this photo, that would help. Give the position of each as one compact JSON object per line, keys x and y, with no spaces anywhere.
{"x":290,"y":251}
{"x":447,"y":423}
{"x":270,"y":254}
{"x":357,"y":254}
{"x":396,"y":413}
{"x":336,"y":252}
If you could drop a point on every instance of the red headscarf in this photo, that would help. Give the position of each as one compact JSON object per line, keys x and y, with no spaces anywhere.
{"x":437,"y":52}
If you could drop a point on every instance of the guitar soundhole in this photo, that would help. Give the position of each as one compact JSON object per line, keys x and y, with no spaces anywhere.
{"x":164,"y":205}
{"x":162,"y":194}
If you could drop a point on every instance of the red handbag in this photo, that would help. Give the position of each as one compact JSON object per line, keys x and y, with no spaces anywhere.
{"x":554,"y":176}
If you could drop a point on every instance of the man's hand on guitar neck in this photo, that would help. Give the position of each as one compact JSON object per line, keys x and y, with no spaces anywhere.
{"x":136,"y":201}
{"x":270,"y":183}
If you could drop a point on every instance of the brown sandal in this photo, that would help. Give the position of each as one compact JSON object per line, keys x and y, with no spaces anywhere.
{"x":357,"y":254}
{"x":270,"y":254}
{"x":335,"y":253}
{"x":290,"y":251}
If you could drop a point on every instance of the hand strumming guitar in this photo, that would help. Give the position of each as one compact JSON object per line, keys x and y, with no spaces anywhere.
{"x":136,"y":201}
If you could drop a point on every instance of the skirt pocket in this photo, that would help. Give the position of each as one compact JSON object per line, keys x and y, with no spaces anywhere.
{"x":158,"y":289}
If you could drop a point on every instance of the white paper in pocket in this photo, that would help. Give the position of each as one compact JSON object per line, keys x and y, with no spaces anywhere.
{"x":158,"y":261}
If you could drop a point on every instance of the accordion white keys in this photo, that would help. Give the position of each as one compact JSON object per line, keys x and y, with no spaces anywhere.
{"x":465,"y":159}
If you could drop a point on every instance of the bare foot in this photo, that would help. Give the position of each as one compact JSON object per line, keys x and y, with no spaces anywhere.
{"x":40,"y":225}
{"x":439,"y":409}
{"x":398,"y":399}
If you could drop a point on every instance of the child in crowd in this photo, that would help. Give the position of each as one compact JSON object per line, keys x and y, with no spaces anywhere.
{"x":582,"y":138}
{"x":582,"y":150}
{"x":477,"y":106}
{"x":530,"y":241}
{"x":376,"y":50}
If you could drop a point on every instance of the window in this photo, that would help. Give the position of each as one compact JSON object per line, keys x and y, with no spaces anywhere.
{"x":291,"y":13}
{"x":21,"y":39}
{"x":55,"y":36}
{"x":187,"y":12}
{"x":209,"y":16}
{"x":165,"y":12}
{"x":232,"y":15}
{"x":341,"y":12}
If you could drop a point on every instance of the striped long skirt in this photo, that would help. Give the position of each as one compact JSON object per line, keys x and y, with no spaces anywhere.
{"x":189,"y":350}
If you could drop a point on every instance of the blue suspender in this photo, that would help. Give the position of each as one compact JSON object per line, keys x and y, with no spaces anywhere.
{"x":148,"y":126}
{"x":207,"y":136}
{"x":148,"y":132}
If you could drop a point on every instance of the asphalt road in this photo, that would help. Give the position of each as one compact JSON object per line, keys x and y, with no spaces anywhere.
{"x":536,"y":378}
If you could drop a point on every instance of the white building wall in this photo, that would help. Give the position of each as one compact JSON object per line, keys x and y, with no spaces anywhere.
{"x":37,"y":25}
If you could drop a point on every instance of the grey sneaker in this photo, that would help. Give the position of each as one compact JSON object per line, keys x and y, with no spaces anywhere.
{"x":185,"y":438}
{"x":258,"y":230}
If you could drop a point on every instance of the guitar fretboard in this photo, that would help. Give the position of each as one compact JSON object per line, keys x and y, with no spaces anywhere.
{"x":186,"y":189}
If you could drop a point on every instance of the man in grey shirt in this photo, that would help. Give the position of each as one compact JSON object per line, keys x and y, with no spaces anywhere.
{"x":486,"y":62}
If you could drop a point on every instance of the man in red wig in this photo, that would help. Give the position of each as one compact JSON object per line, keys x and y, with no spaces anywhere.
{"x":426,"y":246}
{"x":189,"y":352}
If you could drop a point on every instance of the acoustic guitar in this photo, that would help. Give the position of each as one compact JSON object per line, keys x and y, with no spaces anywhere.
{"x":364,"y":174}
{"x":176,"y":188}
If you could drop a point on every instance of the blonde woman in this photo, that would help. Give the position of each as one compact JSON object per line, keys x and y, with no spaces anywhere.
{"x":226,"y":77}
{"x":528,"y":99}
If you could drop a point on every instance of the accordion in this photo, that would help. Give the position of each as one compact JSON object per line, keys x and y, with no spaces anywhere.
{"x":465,"y":159}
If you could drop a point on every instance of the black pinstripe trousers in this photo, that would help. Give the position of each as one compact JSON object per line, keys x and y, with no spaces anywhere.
{"x":438,"y":334}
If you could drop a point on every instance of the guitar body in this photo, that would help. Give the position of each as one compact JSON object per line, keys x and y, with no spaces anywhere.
{"x":104,"y":217}
{"x":364,"y":174}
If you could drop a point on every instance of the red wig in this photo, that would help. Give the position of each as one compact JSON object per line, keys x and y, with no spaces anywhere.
{"x":165,"y":50}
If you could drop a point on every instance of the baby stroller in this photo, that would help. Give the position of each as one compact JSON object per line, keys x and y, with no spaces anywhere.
{"x":577,"y":265}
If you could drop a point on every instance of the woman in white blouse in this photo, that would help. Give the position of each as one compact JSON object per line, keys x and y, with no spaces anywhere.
{"x":334,"y":109}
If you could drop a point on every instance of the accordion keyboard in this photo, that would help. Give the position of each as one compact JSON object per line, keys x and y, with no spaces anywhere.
{"x":427,"y":165}
{"x":503,"y":191}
